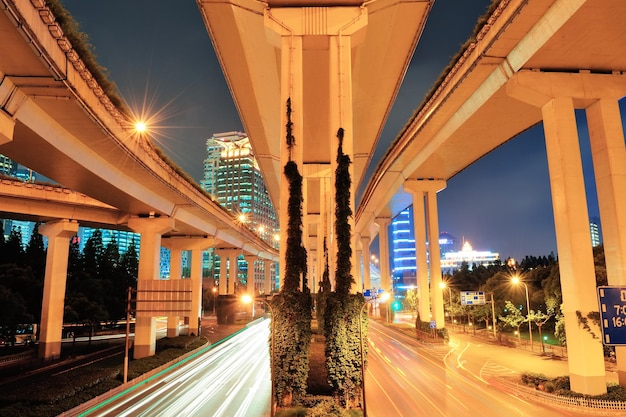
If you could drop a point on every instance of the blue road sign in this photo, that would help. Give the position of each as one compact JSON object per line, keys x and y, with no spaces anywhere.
{"x":612,"y":314}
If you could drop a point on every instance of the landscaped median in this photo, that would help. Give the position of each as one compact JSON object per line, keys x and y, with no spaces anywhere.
{"x":555,"y":392}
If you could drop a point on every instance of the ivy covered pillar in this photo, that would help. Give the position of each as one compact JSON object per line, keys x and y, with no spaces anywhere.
{"x":150,"y":229}
{"x":55,"y":278}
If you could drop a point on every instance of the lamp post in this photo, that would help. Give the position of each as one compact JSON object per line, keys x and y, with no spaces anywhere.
{"x":516,"y":281}
{"x":249,"y":299}
{"x":362,"y":357}
{"x":214,"y":298}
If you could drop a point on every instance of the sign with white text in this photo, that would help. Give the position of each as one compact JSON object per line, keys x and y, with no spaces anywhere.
{"x":612,"y":314}
{"x":472,"y":298}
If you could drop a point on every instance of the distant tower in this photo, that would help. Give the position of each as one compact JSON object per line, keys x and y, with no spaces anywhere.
{"x":596,"y":231}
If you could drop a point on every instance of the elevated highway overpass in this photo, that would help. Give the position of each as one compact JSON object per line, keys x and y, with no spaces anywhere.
{"x":532,"y":61}
{"x":56,"y":118}
{"x":340,"y":65}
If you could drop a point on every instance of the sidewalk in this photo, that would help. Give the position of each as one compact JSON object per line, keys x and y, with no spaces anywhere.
{"x":520,"y":360}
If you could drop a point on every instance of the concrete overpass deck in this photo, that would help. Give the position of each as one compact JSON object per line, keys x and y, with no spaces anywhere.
{"x":473,"y":110}
{"x":57,"y":120}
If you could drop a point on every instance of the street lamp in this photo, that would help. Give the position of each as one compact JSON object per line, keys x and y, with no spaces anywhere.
{"x":515,"y":280}
{"x":362,"y":357}
{"x":214,"y":298}
{"x":247,"y":299}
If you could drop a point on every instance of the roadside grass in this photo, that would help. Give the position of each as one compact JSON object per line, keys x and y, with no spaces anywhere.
{"x":68,"y":389}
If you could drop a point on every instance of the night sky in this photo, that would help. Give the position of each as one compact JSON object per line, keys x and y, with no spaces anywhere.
{"x":160,"y":56}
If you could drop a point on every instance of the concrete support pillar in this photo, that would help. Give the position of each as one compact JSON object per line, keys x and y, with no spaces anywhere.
{"x":291,"y":89}
{"x":173,"y":329}
{"x":252,"y":286}
{"x":359,"y":271}
{"x":233,"y":271}
{"x":196,"y":245}
{"x":151,"y":230}
{"x":606,"y":136}
{"x":426,"y":228}
{"x":556,"y":95}
{"x":267,"y":277}
{"x":222,"y":284}
{"x":585,"y":357}
{"x":436,"y":292}
{"x":383,"y":243}
{"x":195,"y":318}
{"x":365,"y":250}
{"x":419,"y":227}
{"x":53,"y":305}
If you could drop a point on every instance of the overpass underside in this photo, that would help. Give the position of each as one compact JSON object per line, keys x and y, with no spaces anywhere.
{"x":340,"y":64}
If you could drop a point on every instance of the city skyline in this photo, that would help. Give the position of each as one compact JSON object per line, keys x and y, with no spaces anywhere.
{"x":162,"y":60}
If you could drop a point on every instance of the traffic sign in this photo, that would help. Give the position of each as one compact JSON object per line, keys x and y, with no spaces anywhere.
{"x":472,"y":298}
{"x":612,"y":301}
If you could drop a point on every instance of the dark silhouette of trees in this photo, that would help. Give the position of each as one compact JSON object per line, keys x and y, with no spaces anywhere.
{"x":97,"y":279}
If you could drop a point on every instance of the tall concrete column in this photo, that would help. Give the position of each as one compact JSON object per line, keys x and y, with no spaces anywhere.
{"x":419,"y":228}
{"x":383,"y":243}
{"x":586,"y":362}
{"x":606,"y":136}
{"x":365,"y":249}
{"x":267,"y":277}
{"x":555,"y":94}
{"x":358,"y":277}
{"x":436,"y":292}
{"x":55,"y":278}
{"x":151,"y":230}
{"x":173,"y":329}
{"x":291,"y":88}
{"x":426,"y":228}
{"x":233,"y":271}
{"x":251,"y":282}
{"x":222,"y":284}
{"x":196,"y":290}
{"x":340,"y":109}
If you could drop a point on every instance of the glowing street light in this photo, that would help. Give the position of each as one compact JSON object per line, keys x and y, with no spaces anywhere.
{"x":141,"y":126}
{"x":515,"y":280}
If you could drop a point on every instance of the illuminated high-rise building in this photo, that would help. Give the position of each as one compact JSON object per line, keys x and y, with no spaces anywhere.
{"x":596,"y":231}
{"x":232,"y":176}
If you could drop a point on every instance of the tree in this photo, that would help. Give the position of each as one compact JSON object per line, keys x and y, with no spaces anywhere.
{"x":412,"y":299}
{"x":513,"y":318}
{"x":14,"y":252}
{"x":540,"y":318}
{"x":36,"y":253}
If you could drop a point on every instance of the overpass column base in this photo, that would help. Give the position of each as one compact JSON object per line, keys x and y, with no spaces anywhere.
{"x":53,"y":304}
